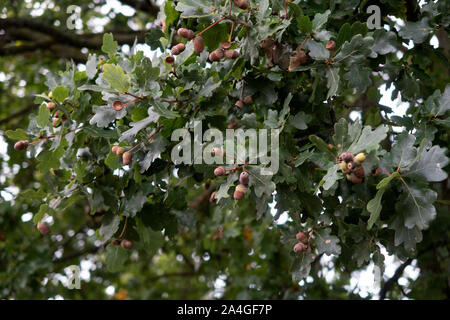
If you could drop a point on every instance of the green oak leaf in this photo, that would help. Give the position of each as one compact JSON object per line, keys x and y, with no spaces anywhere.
{"x":326,"y":243}
{"x":110,"y":225}
{"x":416,"y":31}
{"x":43,"y":118}
{"x":109,"y":45}
{"x":60,"y":93}
{"x":430,"y":165}
{"x":116,"y":78}
{"x":18,"y":134}
{"x":115,"y":258}
{"x":374,"y":207}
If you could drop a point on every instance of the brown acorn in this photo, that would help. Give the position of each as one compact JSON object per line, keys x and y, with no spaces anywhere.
{"x":241,"y":4}
{"x":21,"y":145}
{"x":120,"y":151}
{"x":212,"y":198}
{"x":299,"y":247}
{"x":301,"y":236}
{"x":43,"y":228}
{"x":179,"y":48}
{"x":331,"y":45}
{"x":248,"y":100}
{"x":126,"y":158}
{"x":169,"y":60}
{"x":345,"y":156}
{"x":239,"y":104}
{"x":237,"y":195}
{"x":220,"y":171}
{"x":244,"y":178}
{"x":354,"y":179}
{"x":231,"y":54}
{"x":186,"y":33}
{"x":114,"y":149}
{"x":297,"y":58}
{"x":351,"y":165}
{"x":126,"y":244}
{"x":51,"y":106}
{"x":216,"y":55}
{"x":117,"y":105}
{"x":241,"y":188}
{"x":198,"y":45}
{"x":359,"y":172}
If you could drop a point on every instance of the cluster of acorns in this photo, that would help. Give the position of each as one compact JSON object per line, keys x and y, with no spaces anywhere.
{"x":199,"y":46}
{"x":58,"y":116}
{"x":126,"y":244}
{"x":246,"y":100}
{"x":241,"y":189}
{"x":303,"y":243}
{"x":352,"y":166}
{"x":120,"y":152}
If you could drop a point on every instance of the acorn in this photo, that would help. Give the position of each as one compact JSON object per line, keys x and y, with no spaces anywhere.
{"x":216,"y":55}
{"x":351,"y":165}
{"x":169,"y":60}
{"x":212,"y":198}
{"x":360,"y":157}
{"x":186,"y":33}
{"x":120,"y":151}
{"x":126,"y":158}
{"x":344,"y":167}
{"x":50,"y":106}
{"x":241,"y":188}
{"x":238,"y":195}
{"x":359,"y":172}
{"x":117,"y":105}
{"x":239,"y":104}
{"x":345,"y":156}
{"x":231,"y":54}
{"x":301,"y":236}
{"x":299,"y":247}
{"x":21,"y":145}
{"x":220,"y":171}
{"x":244,"y":178}
{"x":241,"y":4}
{"x":297,"y":58}
{"x":198,"y":45}
{"x":179,"y":48}
{"x":114,"y":149}
{"x":354,"y":179}
{"x":331,"y":45}
{"x":248,"y":100}
{"x":43,"y":228}
{"x":126,"y":244}
{"x":50,"y":94}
